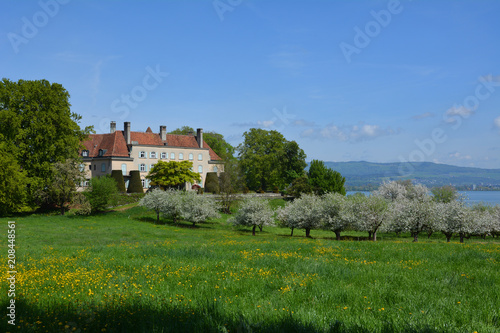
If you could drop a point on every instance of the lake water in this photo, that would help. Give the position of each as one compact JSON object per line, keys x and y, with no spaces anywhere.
{"x":473,"y":197}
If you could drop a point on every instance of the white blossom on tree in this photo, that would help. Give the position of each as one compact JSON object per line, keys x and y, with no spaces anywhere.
{"x":370,"y":213}
{"x":394,"y":190}
{"x":253,"y":212}
{"x":154,"y":200}
{"x":391,"y":191}
{"x":337,"y":216}
{"x":454,"y":218}
{"x":172,"y":204}
{"x":413,"y":216}
{"x":305,"y":212}
{"x":196,"y":208}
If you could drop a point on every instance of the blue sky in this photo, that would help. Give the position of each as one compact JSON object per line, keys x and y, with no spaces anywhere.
{"x":381,"y":81}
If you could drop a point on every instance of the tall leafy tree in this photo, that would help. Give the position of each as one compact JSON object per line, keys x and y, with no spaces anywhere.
{"x":13,"y":182}
{"x":37,"y":123}
{"x":324,"y":180}
{"x":267,"y":159}
{"x":172,"y":174}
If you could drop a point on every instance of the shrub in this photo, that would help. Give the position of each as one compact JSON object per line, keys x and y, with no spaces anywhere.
{"x":276,"y":189}
{"x":101,"y":193}
{"x":82,"y":205}
{"x":212,"y":183}
{"x":135,"y":185}
{"x":117,"y":175}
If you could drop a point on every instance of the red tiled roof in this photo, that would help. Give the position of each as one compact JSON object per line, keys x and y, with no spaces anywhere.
{"x":115,"y":145}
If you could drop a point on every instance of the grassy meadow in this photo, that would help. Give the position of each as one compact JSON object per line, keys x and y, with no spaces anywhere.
{"x":119,"y":272}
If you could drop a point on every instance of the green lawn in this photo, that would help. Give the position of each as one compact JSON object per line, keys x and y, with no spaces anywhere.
{"x":119,"y":272}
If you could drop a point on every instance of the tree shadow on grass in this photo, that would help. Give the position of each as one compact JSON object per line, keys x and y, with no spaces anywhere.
{"x":165,"y":317}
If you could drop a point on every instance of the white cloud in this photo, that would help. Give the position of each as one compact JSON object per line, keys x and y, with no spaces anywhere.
{"x":459,"y":156}
{"x":265,"y":123}
{"x":457,"y":111}
{"x":496,"y":121}
{"x":352,"y":133}
{"x":423,"y":116}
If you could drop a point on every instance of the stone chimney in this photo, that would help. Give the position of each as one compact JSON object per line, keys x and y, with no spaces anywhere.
{"x":163,"y":133}
{"x":112,"y":127}
{"x":126,"y":131}
{"x":199,"y":137}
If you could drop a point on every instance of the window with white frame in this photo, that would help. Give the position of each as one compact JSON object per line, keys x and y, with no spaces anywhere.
{"x":200,"y":168}
{"x":152,"y":154}
{"x":181,"y":156}
{"x":200,"y":157}
{"x":163,"y":156}
{"x":124,"y":169}
{"x":142,"y":154}
{"x":103,"y":167}
{"x":191,"y":157}
{"x":142,"y":167}
{"x":151,"y":167}
{"x":172,"y":156}
{"x":85,"y":153}
{"x":143,"y":182}
{"x":82,"y":167}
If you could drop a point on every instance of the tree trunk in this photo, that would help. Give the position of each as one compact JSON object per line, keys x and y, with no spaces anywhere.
{"x":260,"y":227}
{"x":291,"y":235}
{"x":461,"y":238}
{"x":62,"y":209}
{"x":253,"y":230}
{"x":369,"y":235}
{"x":415,"y":237}
{"x":337,"y":233}
{"x":375,"y":236}
{"x":157,"y":217}
{"x":308,"y":232}
{"x":429,"y":234}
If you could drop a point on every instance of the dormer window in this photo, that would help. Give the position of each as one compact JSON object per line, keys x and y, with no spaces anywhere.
{"x":101,"y":152}
{"x":85,"y":153}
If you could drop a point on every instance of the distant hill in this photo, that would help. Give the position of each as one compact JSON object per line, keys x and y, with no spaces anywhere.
{"x":367,"y":175}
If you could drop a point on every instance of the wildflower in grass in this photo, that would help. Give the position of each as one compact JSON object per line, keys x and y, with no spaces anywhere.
{"x":253,"y":212}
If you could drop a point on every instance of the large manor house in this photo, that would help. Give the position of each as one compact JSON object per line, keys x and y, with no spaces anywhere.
{"x":127,"y":150}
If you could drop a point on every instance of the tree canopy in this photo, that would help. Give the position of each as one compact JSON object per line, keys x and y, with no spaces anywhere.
{"x":38,"y":129}
{"x":268,"y":160}
{"x":324,"y":180}
{"x":172,"y":174}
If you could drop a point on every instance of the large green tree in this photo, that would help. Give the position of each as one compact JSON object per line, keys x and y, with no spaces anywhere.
{"x":172,"y":174}
{"x":267,"y":159}
{"x":13,"y":182}
{"x":324,"y":180}
{"x":39,"y":128}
